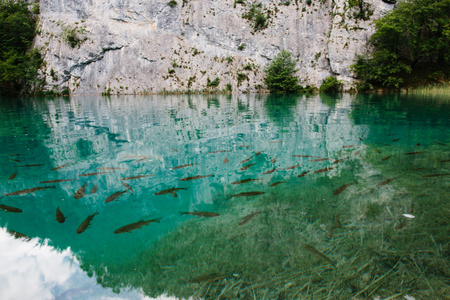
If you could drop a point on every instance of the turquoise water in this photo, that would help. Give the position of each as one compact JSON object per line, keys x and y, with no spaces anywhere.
{"x":151,"y":135}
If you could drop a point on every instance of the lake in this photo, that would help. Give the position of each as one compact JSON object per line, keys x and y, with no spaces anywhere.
{"x":225,"y":197}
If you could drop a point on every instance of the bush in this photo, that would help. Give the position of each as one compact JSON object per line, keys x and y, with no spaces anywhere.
{"x":331,"y":85}
{"x":241,"y":47}
{"x":256,"y":16}
{"x":172,"y":3}
{"x":213,"y":83}
{"x":279,"y":74}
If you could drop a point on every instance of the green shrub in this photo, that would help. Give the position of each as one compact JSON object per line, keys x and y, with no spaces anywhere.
{"x":241,"y":47}
{"x":228,"y":87}
{"x":279,"y":74}
{"x":70,"y":35}
{"x":331,"y":85}
{"x":172,"y":3}
{"x":213,"y":83}
{"x":241,"y":77}
{"x":256,"y":16}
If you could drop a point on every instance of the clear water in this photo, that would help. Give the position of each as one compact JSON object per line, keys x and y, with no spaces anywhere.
{"x":361,"y":229}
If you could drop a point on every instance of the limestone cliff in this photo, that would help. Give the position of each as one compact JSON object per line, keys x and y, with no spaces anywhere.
{"x":135,"y":46}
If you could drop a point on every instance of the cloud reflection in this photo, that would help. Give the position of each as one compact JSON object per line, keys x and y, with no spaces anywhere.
{"x":35,"y":270}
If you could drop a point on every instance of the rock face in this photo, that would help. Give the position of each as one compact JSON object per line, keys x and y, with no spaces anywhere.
{"x":135,"y":46}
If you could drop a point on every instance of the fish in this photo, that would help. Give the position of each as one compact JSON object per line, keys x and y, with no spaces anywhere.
{"x":361,"y":139}
{"x":396,"y":140}
{"x":205,"y":214}
{"x":319,"y":159}
{"x":244,"y":181}
{"x":317,"y":253}
{"x":111,"y":168}
{"x":219,"y":151}
{"x":95,"y":173}
{"x":225,"y":161}
{"x":12,"y":176}
{"x":81,"y":192}
{"x":435,"y":175}
{"x":246,"y":167}
{"x":293,"y":167}
{"x":246,"y":194}
{"x":135,"y":177}
{"x":338,"y":160}
{"x":195,"y":177}
{"x":207,"y":278}
{"x":115,"y":196}
{"x":246,"y":160}
{"x":137,"y":225}
{"x":243,"y":146}
{"x":413,"y":153}
{"x":60,"y":216}
{"x":274,"y":160}
{"x":19,"y":235}
{"x":303,"y":174}
{"x":10,"y":209}
{"x":170,"y":191}
{"x":386,"y":158}
{"x":385,"y":181}
{"x":86,"y":223}
{"x":17,"y":154}
{"x":62,"y":166}
{"x":376,"y":150}
{"x":248,"y":217}
{"x":135,"y":156}
{"x":357,"y":152}
{"x":341,"y":188}
{"x":446,"y":160}
{"x":27,"y":191}
{"x":183,"y":166}
{"x":57,"y":180}
{"x":127,"y":187}
{"x":258,"y":153}
{"x":306,"y":156}
{"x":418,"y":144}
{"x":348,"y":146}
{"x":324,"y":170}
{"x":276,"y":183}
{"x":35,"y":165}
{"x":385,"y":144}
{"x":143,"y":158}
{"x":270,"y":171}
{"x":174,"y":149}
{"x":442,"y":144}
{"x":16,"y":160}
{"x":94,"y":189}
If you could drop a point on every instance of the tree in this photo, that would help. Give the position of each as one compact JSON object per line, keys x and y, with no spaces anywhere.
{"x":279,"y":78}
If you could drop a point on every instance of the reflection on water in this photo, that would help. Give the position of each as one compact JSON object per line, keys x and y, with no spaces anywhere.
{"x":236,"y":196}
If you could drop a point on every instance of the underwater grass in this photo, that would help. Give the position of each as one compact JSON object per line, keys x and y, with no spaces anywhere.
{"x":367,"y":247}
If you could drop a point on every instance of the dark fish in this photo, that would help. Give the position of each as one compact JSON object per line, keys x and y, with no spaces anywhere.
{"x":319,"y":159}
{"x":246,"y":194}
{"x":440,"y":143}
{"x":385,"y":144}
{"x":16,"y":160}
{"x":127,"y":187}
{"x":435,"y":175}
{"x":244,"y":181}
{"x":243,"y":146}
{"x":18,"y":154}
{"x":357,"y":152}
{"x":303,"y":174}
{"x":246,"y":160}
{"x":12,"y":176}
{"x":293,"y":167}
{"x":225,"y":161}
{"x":27,"y":191}
{"x":143,"y":158}
{"x":413,"y":153}
{"x":10,"y":209}
{"x":274,"y":160}
{"x":183,"y":166}
{"x":205,"y":214}
{"x":111,"y":168}
{"x":60,"y":216}
{"x":396,"y":140}
{"x":338,"y":160}
{"x":418,"y":144}
{"x":258,"y":153}
{"x":207,"y":278}
{"x":219,"y":151}
{"x":36,"y":165}
{"x":81,"y":192}
{"x":86,"y":223}
{"x":174,"y":149}
{"x":303,"y":156}
{"x":195,"y":177}
{"x":135,"y":177}
{"x":376,"y":150}
{"x":348,"y":146}
{"x":248,"y":217}
{"x":137,"y":225}
{"x":270,"y":171}
{"x":170,"y":191}
{"x":115,"y":196}
{"x":386,"y":181}
{"x":341,"y":188}
{"x":324,"y":170}
{"x":93,"y":174}
{"x":94,"y":189}
{"x":317,"y":253}
{"x":246,"y":167}
{"x":276,"y":183}
{"x":361,"y":139}
{"x":19,"y":235}
{"x":62,"y":166}
{"x":57,"y":180}
{"x":386,"y":158}
{"x":447,"y":160}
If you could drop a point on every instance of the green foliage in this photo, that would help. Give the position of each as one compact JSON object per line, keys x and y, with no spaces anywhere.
{"x":70,"y":34}
{"x":241,"y":77}
{"x":331,"y":85}
{"x":279,"y":74}
{"x":213,"y":83}
{"x":228,"y":88}
{"x":241,"y":47}
{"x":309,"y":2}
{"x":363,"y":10}
{"x":18,"y":64}
{"x":256,"y":16}
{"x":172,"y":3}
{"x":414,"y":35}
